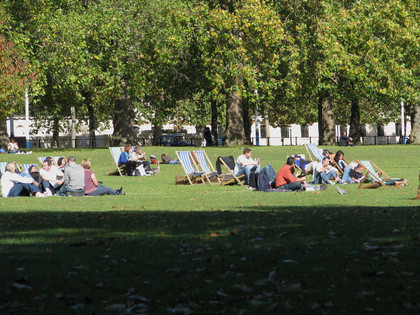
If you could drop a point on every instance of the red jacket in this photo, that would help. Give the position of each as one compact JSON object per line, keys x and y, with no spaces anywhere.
{"x":285,"y":176}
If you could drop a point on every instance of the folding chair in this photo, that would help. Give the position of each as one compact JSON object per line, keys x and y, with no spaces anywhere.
{"x":313,"y":149}
{"x":115,"y":153}
{"x":229,"y":177}
{"x":41,"y":159}
{"x":190,"y":168}
{"x":377,"y":181}
{"x":26,"y":167}
{"x":205,"y":165}
{"x":3,"y":167}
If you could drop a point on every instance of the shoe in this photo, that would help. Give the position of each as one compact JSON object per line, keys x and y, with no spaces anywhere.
{"x":323,"y":187}
{"x":119,"y":191}
{"x":40,"y":195}
{"x":342,"y":183}
{"x":48,"y":192}
{"x":251,"y":188}
{"x":405,"y":182}
{"x":329,"y":182}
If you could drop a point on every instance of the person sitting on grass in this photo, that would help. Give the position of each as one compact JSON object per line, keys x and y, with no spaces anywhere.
{"x":245,"y":164}
{"x":285,"y":178}
{"x":139,"y":156}
{"x":74,"y":179}
{"x":15,"y":185}
{"x":125,"y":160}
{"x":62,"y":163}
{"x":92,"y":186}
{"x":52,"y":177}
{"x":327,"y":172}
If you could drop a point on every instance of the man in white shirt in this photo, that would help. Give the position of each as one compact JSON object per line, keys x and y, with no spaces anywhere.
{"x":52,"y":177}
{"x":245,"y":164}
{"x":15,"y":185}
{"x":327,"y":172}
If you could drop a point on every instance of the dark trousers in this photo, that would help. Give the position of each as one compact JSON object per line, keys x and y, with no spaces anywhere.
{"x":20,"y":189}
{"x":292,"y":186}
{"x":129,"y":167}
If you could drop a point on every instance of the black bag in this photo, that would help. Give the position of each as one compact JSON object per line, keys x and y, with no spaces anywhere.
{"x":263,"y":184}
{"x":253,"y":177}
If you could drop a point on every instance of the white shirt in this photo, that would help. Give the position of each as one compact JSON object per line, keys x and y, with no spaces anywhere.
{"x":12,"y":146}
{"x":242,"y":159}
{"x":9,"y":179}
{"x":51,"y":174}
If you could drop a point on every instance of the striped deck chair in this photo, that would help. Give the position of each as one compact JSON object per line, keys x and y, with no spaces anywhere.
{"x":205,"y":165}
{"x":190,"y":168}
{"x":3,"y":167}
{"x":115,"y":153}
{"x":313,"y":149}
{"x":41,"y":159}
{"x":26,"y":167}
{"x":228,"y":176}
{"x":376,"y":180}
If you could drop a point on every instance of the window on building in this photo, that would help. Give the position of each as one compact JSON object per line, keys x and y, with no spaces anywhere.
{"x":380,"y":130}
{"x":263,"y":131}
{"x":304,"y":131}
{"x":285,"y":131}
{"x":398,"y":129}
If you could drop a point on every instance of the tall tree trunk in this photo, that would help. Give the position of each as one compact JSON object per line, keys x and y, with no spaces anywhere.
{"x":328,"y":124}
{"x":235,"y":134}
{"x":157,"y":131}
{"x":123,"y":120}
{"x":415,"y":125}
{"x":56,"y":132}
{"x":92,"y":125}
{"x":247,"y":123}
{"x":355,"y":120}
{"x":214,"y":122}
{"x":320,"y":121}
{"x":4,"y":137}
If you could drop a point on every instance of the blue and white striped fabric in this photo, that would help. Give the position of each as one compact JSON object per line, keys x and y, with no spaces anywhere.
{"x":203,"y":162}
{"x":26,"y":167}
{"x":368,"y":165}
{"x":315,"y":151}
{"x":185,"y":159}
{"x":115,"y":152}
{"x":3,"y":167}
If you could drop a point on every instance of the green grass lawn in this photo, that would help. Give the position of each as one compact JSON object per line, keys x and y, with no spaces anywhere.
{"x":166,"y":248}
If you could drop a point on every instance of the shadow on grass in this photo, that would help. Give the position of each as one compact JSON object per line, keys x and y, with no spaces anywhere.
{"x":292,"y":259}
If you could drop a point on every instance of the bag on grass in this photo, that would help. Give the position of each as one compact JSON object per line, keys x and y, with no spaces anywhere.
{"x":262,"y":183}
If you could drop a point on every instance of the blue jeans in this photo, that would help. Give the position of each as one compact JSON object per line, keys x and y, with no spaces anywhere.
{"x":247,"y":170}
{"x":65,"y":189}
{"x":346,"y":176}
{"x":331,"y":174}
{"x":292,"y":186}
{"x":269,"y":172}
{"x":102,"y":190}
{"x":19,"y":188}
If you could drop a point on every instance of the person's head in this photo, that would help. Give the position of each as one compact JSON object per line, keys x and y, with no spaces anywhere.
{"x":11,"y":167}
{"x":344,"y":133}
{"x":127,"y":148}
{"x":62,"y":161}
{"x":326,"y":152}
{"x":291,"y":161}
{"x":162,"y":155}
{"x":86,"y":164}
{"x":326,"y":161}
{"x":46,"y":165}
{"x":33,"y":169}
{"x":138,"y":150}
{"x":247,"y":152}
{"x":72,"y":160}
{"x":339,"y":155}
{"x":297,"y":157}
{"x":359,"y":168}
{"x":12,"y":140}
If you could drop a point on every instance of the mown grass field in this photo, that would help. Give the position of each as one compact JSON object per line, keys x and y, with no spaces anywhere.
{"x":211,"y":249}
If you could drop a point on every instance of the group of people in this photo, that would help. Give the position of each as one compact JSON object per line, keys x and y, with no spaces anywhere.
{"x":67,"y":178}
{"x":325,"y":172}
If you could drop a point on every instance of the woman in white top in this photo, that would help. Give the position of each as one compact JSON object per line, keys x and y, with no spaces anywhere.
{"x":15,"y":185}
{"x":139,"y":156}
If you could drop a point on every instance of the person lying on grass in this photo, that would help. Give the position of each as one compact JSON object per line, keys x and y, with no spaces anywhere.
{"x":15,"y":185}
{"x":92,"y":186}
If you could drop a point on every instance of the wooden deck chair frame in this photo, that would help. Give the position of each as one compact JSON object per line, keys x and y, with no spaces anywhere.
{"x":205,"y":164}
{"x":379,"y":182}
{"x":235,"y":178}
{"x":187,"y":163}
{"x":319,"y":156}
{"x":114,"y":152}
